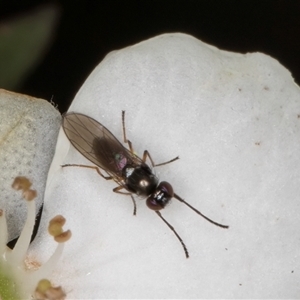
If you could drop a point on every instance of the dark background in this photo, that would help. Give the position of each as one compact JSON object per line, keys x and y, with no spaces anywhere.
{"x":88,"y":30}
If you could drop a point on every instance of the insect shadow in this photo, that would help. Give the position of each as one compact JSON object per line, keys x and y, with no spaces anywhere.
{"x":130,"y":172}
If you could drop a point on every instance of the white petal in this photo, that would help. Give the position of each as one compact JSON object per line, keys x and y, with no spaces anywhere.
{"x":234,"y":121}
{"x":28,"y":133}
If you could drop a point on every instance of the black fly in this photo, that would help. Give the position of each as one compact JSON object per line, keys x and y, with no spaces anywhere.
{"x":131,"y":173}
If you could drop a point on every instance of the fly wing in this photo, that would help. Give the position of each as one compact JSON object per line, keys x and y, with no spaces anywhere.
{"x":97,"y":143}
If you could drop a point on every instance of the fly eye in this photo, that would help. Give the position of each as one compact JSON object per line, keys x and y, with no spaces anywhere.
{"x":153,"y":204}
{"x":166,"y":188}
{"x":161,"y":197}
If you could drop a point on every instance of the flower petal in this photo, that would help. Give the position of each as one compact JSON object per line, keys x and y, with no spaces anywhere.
{"x":234,"y":121}
{"x":28,"y":133}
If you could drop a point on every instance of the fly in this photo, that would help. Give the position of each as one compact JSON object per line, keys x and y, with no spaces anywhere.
{"x":130,"y":172}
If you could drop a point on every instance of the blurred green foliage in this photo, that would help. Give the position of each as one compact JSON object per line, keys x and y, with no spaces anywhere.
{"x":24,"y":40}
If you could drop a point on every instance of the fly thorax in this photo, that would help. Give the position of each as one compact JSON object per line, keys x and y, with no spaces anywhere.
{"x":128,"y":170}
{"x":141,"y":180}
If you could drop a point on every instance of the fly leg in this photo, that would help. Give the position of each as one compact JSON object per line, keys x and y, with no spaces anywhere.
{"x":174,"y":231}
{"x":147,"y":154}
{"x":89,"y":167}
{"x":118,"y":190}
{"x":124,"y":133}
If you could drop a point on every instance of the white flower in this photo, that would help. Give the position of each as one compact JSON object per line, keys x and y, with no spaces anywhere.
{"x":28,"y":133}
{"x":234,"y":121}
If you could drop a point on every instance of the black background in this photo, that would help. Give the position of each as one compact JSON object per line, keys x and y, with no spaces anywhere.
{"x":88,"y":30}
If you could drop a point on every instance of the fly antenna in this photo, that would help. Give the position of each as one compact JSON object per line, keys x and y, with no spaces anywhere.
{"x":177,"y":235}
{"x":199,"y":213}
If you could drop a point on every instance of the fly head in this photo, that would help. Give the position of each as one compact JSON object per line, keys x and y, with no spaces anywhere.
{"x":161,"y":197}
